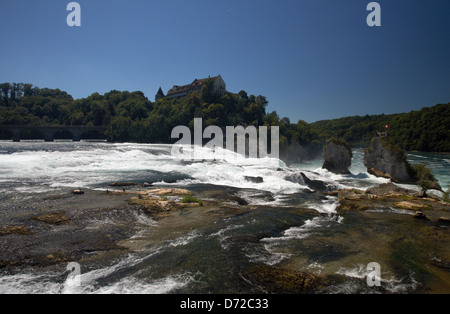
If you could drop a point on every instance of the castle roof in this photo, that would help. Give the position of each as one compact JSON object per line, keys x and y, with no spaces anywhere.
{"x":196,"y":84}
{"x":160,"y":92}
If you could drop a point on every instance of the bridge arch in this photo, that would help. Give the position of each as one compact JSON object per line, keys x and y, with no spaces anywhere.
{"x":50,"y":133}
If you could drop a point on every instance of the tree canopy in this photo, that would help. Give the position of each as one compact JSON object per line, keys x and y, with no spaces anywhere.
{"x":132,"y":117}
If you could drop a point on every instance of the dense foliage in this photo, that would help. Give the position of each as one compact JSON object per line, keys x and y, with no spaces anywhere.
{"x":425,"y":130}
{"x":132,"y":117}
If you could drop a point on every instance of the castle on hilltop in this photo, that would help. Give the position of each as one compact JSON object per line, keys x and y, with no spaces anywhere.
{"x":219,"y":87}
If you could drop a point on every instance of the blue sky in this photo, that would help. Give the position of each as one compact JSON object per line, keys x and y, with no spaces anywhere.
{"x":312,"y":59}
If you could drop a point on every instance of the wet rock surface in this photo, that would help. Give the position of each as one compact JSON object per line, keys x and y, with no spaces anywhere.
{"x":390,"y":196}
{"x":384,"y":159}
{"x":53,"y":218}
{"x":337,"y":156}
{"x":272,"y":279}
{"x":99,"y":228}
{"x":303,"y":179}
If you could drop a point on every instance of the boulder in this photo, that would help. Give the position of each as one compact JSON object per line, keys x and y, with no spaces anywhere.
{"x":384,"y":159}
{"x":420,"y":215}
{"x":239,"y":200}
{"x":444,"y":220}
{"x":254,"y":179}
{"x":301,"y":178}
{"x":337,"y":156}
{"x":315,"y":185}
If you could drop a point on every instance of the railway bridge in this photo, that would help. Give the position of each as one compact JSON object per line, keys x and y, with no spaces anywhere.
{"x":48,"y":133}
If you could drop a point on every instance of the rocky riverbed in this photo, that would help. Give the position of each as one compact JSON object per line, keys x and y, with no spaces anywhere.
{"x":99,"y":228}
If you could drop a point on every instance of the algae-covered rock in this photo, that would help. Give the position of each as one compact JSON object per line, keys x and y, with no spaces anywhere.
{"x":412,"y":206}
{"x":14,"y":230}
{"x":278,"y":280}
{"x":156,"y":202}
{"x":170,"y":192}
{"x":53,"y":219}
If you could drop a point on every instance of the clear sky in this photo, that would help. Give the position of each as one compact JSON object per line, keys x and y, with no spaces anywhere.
{"x":312,"y":59}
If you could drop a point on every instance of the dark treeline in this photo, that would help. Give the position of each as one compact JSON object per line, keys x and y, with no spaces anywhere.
{"x":426,"y":130}
{"x":132,"y":117}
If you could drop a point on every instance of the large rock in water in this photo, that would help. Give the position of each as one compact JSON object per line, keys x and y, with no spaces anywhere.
{"x":301,"y":178}
{"x":384,"y":159}
{"x":338,"y":156}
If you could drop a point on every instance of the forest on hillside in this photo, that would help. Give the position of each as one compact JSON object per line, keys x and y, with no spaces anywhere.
{"x":426,"y":130}
{"x":132,"y":117}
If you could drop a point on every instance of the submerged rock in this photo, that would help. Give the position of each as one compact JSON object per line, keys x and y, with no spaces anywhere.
{"x":420,"y":215}
{"x":14,"y":230}
{"x":53,"y":219}
{"x":122,"y":184}
{"x":273,"y":279}
{"x":337,"y":156}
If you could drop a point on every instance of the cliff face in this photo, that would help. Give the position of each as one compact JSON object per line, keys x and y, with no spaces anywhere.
{"x":384,"y":159}
{"x":337,"y":156}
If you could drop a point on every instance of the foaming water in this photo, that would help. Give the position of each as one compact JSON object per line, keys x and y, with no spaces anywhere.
{"x":277,"y":228}
{"x":36,"y":167}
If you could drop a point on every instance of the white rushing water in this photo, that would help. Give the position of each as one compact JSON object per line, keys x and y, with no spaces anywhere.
{"x":36,"y":167}
{"x":44,"y":167}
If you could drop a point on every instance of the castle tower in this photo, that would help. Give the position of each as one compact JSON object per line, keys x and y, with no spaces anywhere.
{"x":159,"y":94}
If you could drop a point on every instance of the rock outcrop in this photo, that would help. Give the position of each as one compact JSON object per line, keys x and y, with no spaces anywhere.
{"x":337,"y":156}
{"x":384,"y":159}
{"x":301,"y":178}
{"x":254,"y":179}
{"x":316,"y":185}
{"x":157,"y":203}
{"x":388,"y":197}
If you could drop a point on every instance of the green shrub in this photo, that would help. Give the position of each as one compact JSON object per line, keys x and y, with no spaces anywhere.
{"x":191,"y":199}
{"x":422,"y":172}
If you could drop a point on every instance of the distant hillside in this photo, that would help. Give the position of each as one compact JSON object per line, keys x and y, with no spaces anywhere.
{"x":427,"y":130}
{"x":132,"y":117}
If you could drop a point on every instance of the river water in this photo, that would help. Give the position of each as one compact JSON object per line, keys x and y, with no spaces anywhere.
{"x":214,"y":250}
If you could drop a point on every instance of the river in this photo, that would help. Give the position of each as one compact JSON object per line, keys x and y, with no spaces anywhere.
{"x":217,"y":249}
